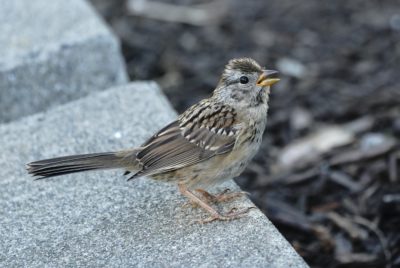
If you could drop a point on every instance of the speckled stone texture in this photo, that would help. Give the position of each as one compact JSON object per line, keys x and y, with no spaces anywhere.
{"x":53,"y":52}
{"x":99,"y":219}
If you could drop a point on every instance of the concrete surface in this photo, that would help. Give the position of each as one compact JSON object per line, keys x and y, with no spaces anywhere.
{"x":53,"y":52}
{"x":99,"y":219}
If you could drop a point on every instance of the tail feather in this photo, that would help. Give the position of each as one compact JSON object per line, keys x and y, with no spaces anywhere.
{"x":79,"y":163}
{"x":49,"y":171}
{"x":59,"y":173}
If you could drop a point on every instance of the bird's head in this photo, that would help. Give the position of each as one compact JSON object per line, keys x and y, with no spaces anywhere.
{"x":245,"y":83}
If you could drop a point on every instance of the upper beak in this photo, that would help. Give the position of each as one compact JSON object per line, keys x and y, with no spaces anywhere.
{"x":267,"y":78}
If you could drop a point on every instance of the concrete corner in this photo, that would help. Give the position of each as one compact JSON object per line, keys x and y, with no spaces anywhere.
{"x":53,"y":52}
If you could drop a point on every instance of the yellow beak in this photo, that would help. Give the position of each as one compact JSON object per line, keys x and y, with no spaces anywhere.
{"x":267,"y":78}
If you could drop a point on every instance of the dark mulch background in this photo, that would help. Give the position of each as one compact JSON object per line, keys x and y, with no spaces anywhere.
{"x":337,"y":203}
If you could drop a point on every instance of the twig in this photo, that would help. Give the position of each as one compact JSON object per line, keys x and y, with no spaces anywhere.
{"x":362,"y":155}
{"x":198,"y":15}
{"x":393,"y":158}
{"x":382,"y":240}
{"x":344,"y":180}
{"x":347,"y":225}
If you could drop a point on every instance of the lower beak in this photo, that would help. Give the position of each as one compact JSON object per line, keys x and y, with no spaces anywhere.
{"x":267,"y":78}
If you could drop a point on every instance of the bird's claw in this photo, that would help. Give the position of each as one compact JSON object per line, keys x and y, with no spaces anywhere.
{"x":233,"y":214}
{"x":224,"y":196}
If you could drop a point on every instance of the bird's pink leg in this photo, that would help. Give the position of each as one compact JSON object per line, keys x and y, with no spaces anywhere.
{"x":214,"y":215}
{"x":224,"y":196}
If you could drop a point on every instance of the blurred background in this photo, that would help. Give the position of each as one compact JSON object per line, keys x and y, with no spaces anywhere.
{"x":327,"y":174}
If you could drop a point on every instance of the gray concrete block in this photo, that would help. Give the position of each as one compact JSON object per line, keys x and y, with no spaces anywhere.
{"x":99,"y":219}
{"x":53,"y":52}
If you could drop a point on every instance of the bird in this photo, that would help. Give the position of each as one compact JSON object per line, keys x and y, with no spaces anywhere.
{"x":212,"y":141}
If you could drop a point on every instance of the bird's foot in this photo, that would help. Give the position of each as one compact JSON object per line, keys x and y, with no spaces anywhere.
{"x":224,"y":196}
{"x":214,"y":215}
{"x":233,"y":214}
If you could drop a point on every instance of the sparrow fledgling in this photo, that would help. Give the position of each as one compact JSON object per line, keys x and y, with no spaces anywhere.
{"x":211,"y":142}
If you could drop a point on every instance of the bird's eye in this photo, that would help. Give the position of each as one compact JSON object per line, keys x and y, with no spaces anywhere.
{"x":244,"y":80}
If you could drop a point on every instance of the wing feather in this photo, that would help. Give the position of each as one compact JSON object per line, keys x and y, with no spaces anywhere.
{"x":200,"y":133}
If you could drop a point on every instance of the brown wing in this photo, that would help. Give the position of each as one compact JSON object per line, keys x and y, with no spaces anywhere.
{"x":203,"y":131}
